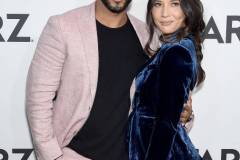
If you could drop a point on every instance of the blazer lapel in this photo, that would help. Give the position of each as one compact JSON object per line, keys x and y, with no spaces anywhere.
{"x":140,"y":30}
{"x":88,"y":31}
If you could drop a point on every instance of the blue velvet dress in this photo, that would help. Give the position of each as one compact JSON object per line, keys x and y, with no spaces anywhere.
{"x":162,"y":88}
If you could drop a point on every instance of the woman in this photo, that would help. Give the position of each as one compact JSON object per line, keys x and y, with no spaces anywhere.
{"x":163,"y":86}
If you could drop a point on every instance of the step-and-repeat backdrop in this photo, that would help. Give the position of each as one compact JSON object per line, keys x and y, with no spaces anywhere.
{"x":216,"y":132}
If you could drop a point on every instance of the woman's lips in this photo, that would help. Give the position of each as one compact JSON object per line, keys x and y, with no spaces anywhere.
{"x":117,"y":1}
{"x":166,"y":23}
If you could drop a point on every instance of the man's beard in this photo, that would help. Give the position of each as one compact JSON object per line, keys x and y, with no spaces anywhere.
{"x":116,"y":8}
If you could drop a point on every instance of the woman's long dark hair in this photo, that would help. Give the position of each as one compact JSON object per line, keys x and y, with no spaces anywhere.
{"x":194,"y":25}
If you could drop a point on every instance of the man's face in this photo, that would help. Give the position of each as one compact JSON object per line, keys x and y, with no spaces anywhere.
{"x":116,"y":6}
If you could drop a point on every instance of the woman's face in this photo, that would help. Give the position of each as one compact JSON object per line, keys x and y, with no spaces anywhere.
{"x":168,"y":15}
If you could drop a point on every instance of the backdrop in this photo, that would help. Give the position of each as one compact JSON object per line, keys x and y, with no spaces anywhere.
{"x":215,"y":132}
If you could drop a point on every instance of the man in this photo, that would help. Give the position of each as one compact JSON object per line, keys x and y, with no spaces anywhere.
{"x":86,"y":60}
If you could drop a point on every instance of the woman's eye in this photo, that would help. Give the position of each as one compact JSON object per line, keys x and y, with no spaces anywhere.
{"x":157,"y":4}
{"x":175,"y":4}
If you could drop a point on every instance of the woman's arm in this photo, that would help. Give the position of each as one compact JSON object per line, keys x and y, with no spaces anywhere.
{"x":176,"y":70}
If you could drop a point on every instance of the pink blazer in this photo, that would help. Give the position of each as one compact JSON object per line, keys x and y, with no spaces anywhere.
{"x":65,"y":64}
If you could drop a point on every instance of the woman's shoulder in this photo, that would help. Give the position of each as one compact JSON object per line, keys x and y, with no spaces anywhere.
{"x":186,"y":44}
{"x":183,"y":50}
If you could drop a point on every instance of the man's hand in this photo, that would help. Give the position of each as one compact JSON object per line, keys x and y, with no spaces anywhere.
{"x":187,"y":111}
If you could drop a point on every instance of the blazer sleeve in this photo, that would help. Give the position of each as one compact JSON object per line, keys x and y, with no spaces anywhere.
{"x":176,"y":76}
{"x":42,"y":84}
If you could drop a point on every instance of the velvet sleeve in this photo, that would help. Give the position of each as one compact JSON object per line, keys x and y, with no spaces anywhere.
{"x":176,"y":70}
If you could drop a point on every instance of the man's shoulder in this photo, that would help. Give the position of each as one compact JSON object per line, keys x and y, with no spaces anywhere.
{"x":71,"y":16}
{"x":136,"y":20}
{"x":70,"y":19}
